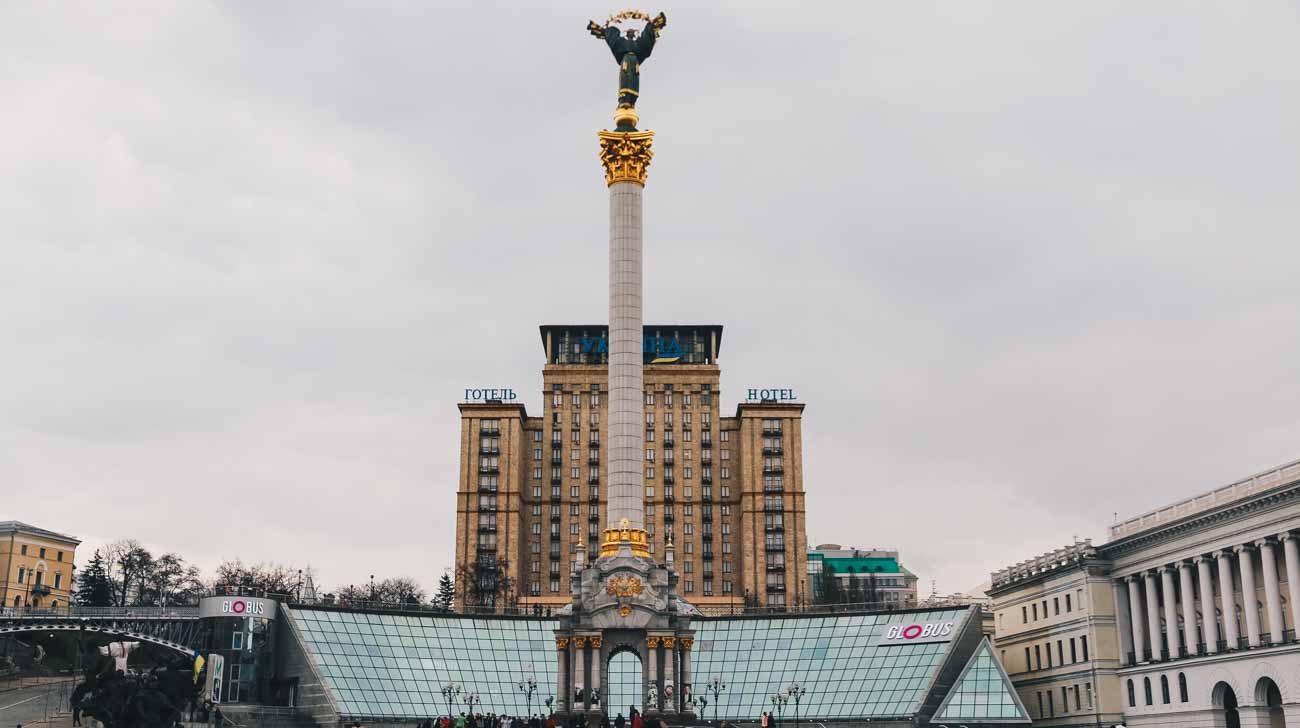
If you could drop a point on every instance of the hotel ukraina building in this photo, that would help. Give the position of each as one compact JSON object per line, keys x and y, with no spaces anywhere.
{"x":1185,"y":617}
{"x":728,"y":490}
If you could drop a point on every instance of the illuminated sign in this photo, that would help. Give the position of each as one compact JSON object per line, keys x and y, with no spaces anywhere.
{"x":770,"y":395}
{"x":485,"y":395}
{"x":237,"y":607}
{"x":657,"y":349}
{"x":915,"y":633}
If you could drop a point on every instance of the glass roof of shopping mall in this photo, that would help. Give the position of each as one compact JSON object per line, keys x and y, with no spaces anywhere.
{"x":395,"y":665}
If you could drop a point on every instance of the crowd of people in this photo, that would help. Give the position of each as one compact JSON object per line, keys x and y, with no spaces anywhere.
{"x":634,"y":719}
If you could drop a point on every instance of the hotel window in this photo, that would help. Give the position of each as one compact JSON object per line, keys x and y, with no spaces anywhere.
{"x":689,"y":547}
{"x":726,"y":566}
{"x":537,"y":491}
{"x":690,"y":491}
{"x":726,"y":586}
{"x":573,"y":529}
{"x":690,"y":586}
{"x":688,"y":567}
{"x":537,"y":510}
{"x":668,"y":398}
{"x":686,"y":471}
{"x":650,"y":472}
{"x":686,"y":401}
{"x":537,"y":435}
{"x":726,"y":529}
{"x":557,"y":399}
{"x":726,"y":454}
{"x":649,"y":491}
{"x":726,"y":547}
{"x":649,"y":435}
{"x":725,"y":435}
{"x":688,"y":510}
{"x":686,"y":435}
{"x":575,"y":435}
{"x":649,"y":398}
{"x":574,"y":471}
{"x":555,"y":585}
{"x":650,"y":419}
{"x":537,"y":454}
{"x":649,"y":509}
{"x":726,"y":489}
{"x":688,"y":529}
{"x":649,"y":455}
{"x":576,"y":419}
{"x":537,"y":529}
{"x":555,"y":419}
{"x":576,"y":400}
{"x":573,"y":509}
{"x":705,"y":420}
{"x":573,"y":492}
{"x":668,"y":420}
{"x":726,"y":510}
{"x":686,"y":419}
{"x":595,"y":418}
{"x":726,"y":472}
{"x":537,"y":473}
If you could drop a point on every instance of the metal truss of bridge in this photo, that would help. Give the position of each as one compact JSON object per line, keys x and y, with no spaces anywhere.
{"x":175,"y":628}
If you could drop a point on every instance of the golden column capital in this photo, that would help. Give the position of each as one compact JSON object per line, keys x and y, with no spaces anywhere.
{"x":669,"y":642}
{"x":595,"y":641}
{"x":687,"y":643}
{"x":626,"y":155}
{"x":561,"y":643}
{"x":652,"y":641}
{"x":579,"y":642}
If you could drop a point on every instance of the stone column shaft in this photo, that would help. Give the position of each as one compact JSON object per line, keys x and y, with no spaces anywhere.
{"x":1249,"y":600}
{"x":670,"y":676}
{"x":1209,"y":627}
{"x":1139,"y":630}
{"x":626,"y":362}
{"x":1123,"y":620}
{"x":1227,"y":602}
{"x":1272,"y":592}
{"x":1154,"y":641}
{"x":1188,"y":593}
{"x":1291,"y":555}
{"x":597,"y":665}
{"x":1172,"y":635}
{"x":561,"y":678}
{"x":579,"y":673}
{"x":652,"y":666}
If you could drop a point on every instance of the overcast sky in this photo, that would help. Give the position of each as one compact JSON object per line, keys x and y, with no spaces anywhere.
{"x":1028,"y":264}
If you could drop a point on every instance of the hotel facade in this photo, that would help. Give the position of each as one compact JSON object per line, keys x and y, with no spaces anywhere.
{"x":728,"y":490}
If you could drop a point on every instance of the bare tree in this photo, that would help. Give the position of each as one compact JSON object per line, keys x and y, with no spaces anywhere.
{"x":269,"y":578}
{"x":127,"y":562}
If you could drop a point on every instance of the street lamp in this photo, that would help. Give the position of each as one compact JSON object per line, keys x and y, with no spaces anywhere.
{"x":796,"y":691}
{"x":713,"y":687}
{"x":528,"y":686}
{"x":372,"y":587}
{"x":471,"y":699}
{"x":449,"y":693}
{"x":550,"y":699}
{"x":779,"y":699}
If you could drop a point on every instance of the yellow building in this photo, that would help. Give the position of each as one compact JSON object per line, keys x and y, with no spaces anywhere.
{"x":729,"y":490}
{"x":1055,"y":635}
{"x":38,"y":566}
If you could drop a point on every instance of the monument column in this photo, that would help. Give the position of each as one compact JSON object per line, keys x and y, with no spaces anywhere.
{"x":625,"y":156}
{"x":1209,"y":625}
{"x":687,"y":690}
{"x":597,"y":664}
{"x":670,"y":674}
{"x":579,"y":673}
{"x":1228,"y":602}
{"x":562,"y":684}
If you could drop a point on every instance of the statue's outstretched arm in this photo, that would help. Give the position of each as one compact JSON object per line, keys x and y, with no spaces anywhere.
{"x":646,"y":41}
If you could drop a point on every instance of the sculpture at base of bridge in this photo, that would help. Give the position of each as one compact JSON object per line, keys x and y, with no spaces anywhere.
{"x":156,"y":699}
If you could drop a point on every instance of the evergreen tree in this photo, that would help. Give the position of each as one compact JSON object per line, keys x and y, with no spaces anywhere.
{"x":94,"y":589}
{"x":446,"y":592}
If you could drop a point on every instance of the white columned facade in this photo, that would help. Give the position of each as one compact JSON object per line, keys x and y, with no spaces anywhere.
{"x":1209,"y":626}
{"x":1188,"y":593}
{"x":579,"y":672}
{"x":1228,"y":604}
{"x":1139,"y":632}
{"x":1172,"y":637}
{"x":1272,"y":592}
{"x":1123,"y":619}
{"x":1291,"y":555}
{"x":1154,"y":639}
{"x":1249,"y":600}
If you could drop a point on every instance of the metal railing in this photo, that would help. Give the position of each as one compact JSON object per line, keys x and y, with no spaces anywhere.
{"x":74,"y":611}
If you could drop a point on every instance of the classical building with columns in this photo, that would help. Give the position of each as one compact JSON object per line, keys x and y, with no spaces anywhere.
{"x":1207,"y":595}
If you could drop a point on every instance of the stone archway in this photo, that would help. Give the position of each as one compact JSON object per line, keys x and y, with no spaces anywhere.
{"x":1224,"y":700}
{"x":1269,"y":699}
{"x":625,"y":678}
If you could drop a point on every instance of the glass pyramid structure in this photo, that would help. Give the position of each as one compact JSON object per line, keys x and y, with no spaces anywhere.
{"x":982,"y":693}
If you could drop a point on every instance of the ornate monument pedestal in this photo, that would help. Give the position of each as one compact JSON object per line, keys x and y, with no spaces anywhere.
{"x":626,"y":603}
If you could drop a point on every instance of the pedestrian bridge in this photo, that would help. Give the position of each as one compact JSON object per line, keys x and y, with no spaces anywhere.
{"x":176,"y":628}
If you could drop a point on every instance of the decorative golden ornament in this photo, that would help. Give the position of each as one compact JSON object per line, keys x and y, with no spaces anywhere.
{"x":652,"y":642}
{"x":669,"y":642}
{"x":561,"y":643}
{"x":623,"y":585}
{"x":688,"y":642}
{"x":624,"y":610}
{"x":595,"y":641}
{"x":626,"y":155}
{"x":579,"y":642}
{"x":634,"y":538}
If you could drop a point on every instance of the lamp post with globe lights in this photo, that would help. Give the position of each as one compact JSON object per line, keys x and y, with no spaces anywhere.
{"x":796,"y":691}
{"x":450,"y":692}
{"x":779,"y":699}
{"x":471,"y":699}
{"x":714,"y":687}
{"x":528,"y":686}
